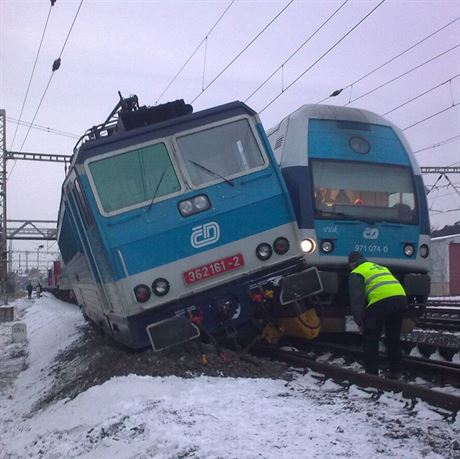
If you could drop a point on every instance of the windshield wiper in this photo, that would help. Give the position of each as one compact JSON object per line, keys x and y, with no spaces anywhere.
{"x":209,"y":171}
{"x":156,"y":189}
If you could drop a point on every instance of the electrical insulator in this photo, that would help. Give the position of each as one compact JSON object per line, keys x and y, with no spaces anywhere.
{"x":56,"y":64}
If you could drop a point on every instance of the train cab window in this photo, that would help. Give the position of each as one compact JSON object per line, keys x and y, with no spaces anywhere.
{"x":134,"y":178}
{"x":220,"y":153}
{"x":367,"y":191}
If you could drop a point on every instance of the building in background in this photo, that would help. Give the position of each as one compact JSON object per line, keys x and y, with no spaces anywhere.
{"x":445,"y":258}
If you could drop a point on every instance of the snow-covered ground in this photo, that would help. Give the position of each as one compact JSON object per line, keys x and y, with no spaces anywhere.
{"x":201,"y":417}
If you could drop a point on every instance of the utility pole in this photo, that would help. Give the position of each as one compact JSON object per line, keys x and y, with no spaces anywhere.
{"x":3,"y":230}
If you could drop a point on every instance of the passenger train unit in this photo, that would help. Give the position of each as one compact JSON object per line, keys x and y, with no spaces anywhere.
{"x":354,"y":185}
{"x":174,"y":224}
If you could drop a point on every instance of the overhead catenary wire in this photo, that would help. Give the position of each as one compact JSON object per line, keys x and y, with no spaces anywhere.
{"x":56,"y":65}
{"x":421,"y":95}
{"x":281,"y":67}
{"x":431,"y":116}
{"x":43,"y":128}
{"x":244,"y":50}
{"x":32,"y":73}
{"x":438,"y":144}
{"x":204,"y":40}
{"x":389,"y":60}
{"x":403,"y":74}
{"x":444,"y":211}
{"x":322,"y":56}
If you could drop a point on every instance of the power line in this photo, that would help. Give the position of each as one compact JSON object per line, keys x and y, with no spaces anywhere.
{"x":337,"y":92}
{"x":32,"y":74}
{"x":402,"y":74}
{"x":43,"y":128}
{"x":440,"y":143}
{"x":296,"y":51}
{"x":56,"y":65}
{"x":322,"y":56}
{"x":243,"y":50}
{"x":194,"y":52}
{"x":431,"y":116}
{"x":420,"y":95}
{"x":438,"y":212}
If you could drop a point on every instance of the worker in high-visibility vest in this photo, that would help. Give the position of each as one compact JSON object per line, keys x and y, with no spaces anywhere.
{"x":377,"y":301}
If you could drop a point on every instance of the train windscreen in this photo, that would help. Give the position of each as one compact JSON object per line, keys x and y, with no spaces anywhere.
{"x":134,"y":177}
{"x":363,"y":191}
{"x":220,"y":153}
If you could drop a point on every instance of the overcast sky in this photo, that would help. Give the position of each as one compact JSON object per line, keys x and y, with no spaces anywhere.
{"x":137,"y":47}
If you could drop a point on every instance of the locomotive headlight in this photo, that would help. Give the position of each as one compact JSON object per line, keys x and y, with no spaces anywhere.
{"x":327,"y":246}
{"x":359,"y":145}
{"x":142,"y":293}
{"x":186,"y":208}
{"x":201,"y":202}
{"x":308,"y":245}
{"x":281,"y":245}
{"x":160,"y":286}
{"x":194,"y":205}
{"x":264,"y":251}
{"x":409,"y":250}
{"x":424,"y":251}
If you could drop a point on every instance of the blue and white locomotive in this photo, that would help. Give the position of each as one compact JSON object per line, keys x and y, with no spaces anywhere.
{"x":174,"y":223}
{"x":355,"y":185}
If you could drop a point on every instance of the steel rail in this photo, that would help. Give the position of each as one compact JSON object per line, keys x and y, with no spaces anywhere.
{"x":433,"y":397}
{"x":447,"y":371}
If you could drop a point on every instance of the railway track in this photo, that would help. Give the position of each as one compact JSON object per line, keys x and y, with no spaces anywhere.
{"x":439,"y":323}
{"x":445,"y":372}
{"x":339,"y":374}
{"x":444,"y":303}
{"x":441,"y":315}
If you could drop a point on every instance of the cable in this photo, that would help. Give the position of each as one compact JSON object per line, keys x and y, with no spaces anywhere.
{"x":440,"y":143}
{"x":243,"y":50}
{"x":431,"y":116}
{"x":32,"y":74}
{"x":420,"y":95}
{"x":438,"y":212}
{"x":297,"y":50}
{"x":402,"y":74}
{"x":392,"y":59}
{"x":194,"y":52}
{"x":323,"y":55}
{"x":43,"y":128}
{"x":56,"y":65}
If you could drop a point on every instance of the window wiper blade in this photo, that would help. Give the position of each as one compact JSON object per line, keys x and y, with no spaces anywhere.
{"x":157,"y":188}
{"x":209,"y":171}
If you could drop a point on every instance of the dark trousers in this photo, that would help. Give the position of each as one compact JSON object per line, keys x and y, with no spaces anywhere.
{"x":386,"y":314}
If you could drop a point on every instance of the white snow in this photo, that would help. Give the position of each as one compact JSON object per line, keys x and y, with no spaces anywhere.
{"x":202,"y":417}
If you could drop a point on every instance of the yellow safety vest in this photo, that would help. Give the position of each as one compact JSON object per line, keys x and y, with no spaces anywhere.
{"x":379,"y":283}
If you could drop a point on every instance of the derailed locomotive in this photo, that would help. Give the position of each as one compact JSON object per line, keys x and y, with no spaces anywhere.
{"x":173,"y":224}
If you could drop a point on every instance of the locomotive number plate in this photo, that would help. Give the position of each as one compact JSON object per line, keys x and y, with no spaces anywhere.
{"x":214,"y":268}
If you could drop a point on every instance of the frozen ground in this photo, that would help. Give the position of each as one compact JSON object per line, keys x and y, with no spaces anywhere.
{"x":192,"y":415}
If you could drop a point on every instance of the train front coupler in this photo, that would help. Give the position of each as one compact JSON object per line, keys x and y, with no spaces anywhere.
{"x":286,"y":309}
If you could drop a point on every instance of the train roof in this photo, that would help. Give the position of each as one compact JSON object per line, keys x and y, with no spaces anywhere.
{"x":296,"y":123}
{"x":143,"y":124}
{"x":335,"y":112}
